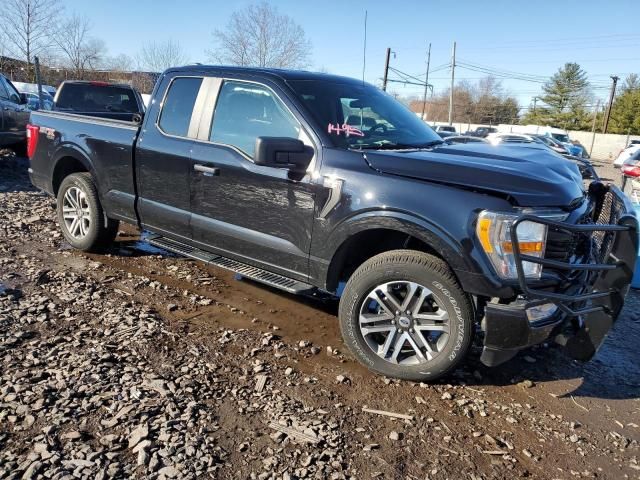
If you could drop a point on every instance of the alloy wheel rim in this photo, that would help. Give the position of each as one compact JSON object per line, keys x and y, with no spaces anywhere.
{"x":76,"y":213}
{"x":404,"y":323}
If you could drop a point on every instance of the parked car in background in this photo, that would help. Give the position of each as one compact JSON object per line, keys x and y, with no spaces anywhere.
{"x":34,"y":101}
{"x":258,"y":171}
{"x":552,"y":143}
{"x":533,"y":141}
{"x":445,"y":134}
{"x":562,"y":136}
{"x":99,"y":99}
{"x":24,"y":87}
{"x":481,"y":132}
{"x":445,"y":128}
{"x":631,"y":177}
{"x":14,"y":116}
{"x":625,"y":154}
{"x":465,"y":139}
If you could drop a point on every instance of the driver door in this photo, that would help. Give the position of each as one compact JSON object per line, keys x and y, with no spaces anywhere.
{"x":256,"y":214}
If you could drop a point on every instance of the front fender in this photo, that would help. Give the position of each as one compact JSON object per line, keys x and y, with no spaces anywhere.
{"x":442,"y":243}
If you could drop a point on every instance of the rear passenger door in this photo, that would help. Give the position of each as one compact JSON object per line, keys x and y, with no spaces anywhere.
{"x":163,"y":158}
{"x":257,"y":214}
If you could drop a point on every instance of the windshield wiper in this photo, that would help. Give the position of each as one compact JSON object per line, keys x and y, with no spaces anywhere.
{"x":399,"y":146}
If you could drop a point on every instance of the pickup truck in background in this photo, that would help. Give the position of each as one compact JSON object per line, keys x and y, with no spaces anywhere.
{"x":99,"y":99}
{"x":308,"y":181}
{"x":14,"y":116}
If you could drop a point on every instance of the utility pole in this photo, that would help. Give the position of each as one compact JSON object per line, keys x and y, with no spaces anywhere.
{"x":593,"y":128}
{"x":426,"y":84}
{"x":608,"y":114}
{"x":453,"y":70}
{"x":386,"y":70}
{"x":535,"y":100}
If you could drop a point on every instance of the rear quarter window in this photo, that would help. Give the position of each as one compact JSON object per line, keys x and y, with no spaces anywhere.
{"x":178,"y":104}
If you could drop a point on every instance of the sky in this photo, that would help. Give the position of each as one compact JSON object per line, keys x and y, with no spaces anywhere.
{"x":525,"y":41}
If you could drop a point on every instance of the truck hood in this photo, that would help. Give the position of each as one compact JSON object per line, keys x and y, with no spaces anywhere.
{"x":532,"y":177}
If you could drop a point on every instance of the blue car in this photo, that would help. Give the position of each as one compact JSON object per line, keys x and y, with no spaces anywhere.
{"x":575,"y":150}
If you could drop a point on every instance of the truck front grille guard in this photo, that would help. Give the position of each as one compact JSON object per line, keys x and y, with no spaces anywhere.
{"x":614,"y":246}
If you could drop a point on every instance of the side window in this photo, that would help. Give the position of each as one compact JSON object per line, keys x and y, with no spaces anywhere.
{"x":13,"y":94}
{"x":4,"y":95}
{"x":246,"y":111}
{"x":178,"y":106}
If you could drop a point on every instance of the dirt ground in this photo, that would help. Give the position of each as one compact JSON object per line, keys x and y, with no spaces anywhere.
{"x":136,"y":364}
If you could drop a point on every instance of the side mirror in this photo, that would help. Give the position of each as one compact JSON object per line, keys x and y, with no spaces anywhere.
{"x":282,"y":152}
{"x":23,"y":99}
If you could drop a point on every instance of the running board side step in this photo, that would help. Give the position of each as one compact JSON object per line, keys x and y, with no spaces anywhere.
{"x":248,"y":271}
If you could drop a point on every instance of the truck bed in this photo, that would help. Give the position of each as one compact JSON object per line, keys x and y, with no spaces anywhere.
{"x":105,"y":148}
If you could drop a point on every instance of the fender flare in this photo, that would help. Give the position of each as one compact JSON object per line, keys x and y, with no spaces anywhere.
{"x":73,"y":151}
{"x":443,"y":244}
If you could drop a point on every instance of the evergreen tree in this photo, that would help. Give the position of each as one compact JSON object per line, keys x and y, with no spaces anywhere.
{"x":565,"y":97}
{"x":625,"y":113}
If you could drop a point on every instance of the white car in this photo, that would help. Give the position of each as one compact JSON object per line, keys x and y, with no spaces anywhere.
{"x":445,"y":128}
{"x":631,"y":177}
{"x":625,"y":154}
{"x":498,"y":138}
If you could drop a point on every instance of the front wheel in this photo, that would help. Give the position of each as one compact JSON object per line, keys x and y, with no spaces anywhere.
{"x":404,"y":315}
{"x":80,"y":214}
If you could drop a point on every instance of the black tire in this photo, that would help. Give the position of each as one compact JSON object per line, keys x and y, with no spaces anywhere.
{"x":425,"y":270}
{"x":101,"y":231}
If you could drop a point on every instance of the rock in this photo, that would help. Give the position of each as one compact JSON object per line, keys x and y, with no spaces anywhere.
{"x":371,"y":446}
{"x":73,"y":435}
{"x":574,"y":438}
{"x":394,"y":436}
{"x":342,"y":379}
{"x":138,"y":435}
{"x":168,"y":472}
{"x":32,"y":470}
{"x":288,"y":371}
{"x":143,"y":457}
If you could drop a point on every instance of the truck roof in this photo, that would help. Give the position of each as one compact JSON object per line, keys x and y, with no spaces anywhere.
{"x":277,"y":73}
{"x":98,"y":83}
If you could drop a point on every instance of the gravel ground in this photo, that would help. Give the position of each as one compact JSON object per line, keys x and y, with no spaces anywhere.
{"x":140,"y":365}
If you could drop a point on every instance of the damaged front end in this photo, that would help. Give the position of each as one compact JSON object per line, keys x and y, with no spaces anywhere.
{"x":582,"y":305}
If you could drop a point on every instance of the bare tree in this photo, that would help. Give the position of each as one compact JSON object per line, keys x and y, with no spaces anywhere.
{"x":118,"y":63}
{"x":28,"y":26}
{"x":80,"y":51}
{"x":158,"y":56}
{"x":260,"y":36}
{"x":3,"y":51}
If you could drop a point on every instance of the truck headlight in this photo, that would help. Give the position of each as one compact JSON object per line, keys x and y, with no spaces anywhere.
{"x":494,"y":232}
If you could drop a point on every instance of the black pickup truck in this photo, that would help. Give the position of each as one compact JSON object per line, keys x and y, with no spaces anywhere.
{"x":308,"y":181}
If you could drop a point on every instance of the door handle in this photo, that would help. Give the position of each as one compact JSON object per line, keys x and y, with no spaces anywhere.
{"x":208,"y":171}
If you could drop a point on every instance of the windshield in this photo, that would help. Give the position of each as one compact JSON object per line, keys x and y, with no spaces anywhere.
{"x":561,"y":137}
{"x":362,"y":116}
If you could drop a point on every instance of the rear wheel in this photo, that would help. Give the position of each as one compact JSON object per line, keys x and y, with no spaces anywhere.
{"x":403,"y":314}
{"x":80,"y":214}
